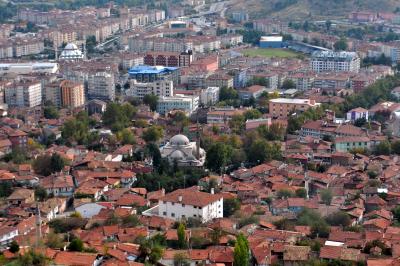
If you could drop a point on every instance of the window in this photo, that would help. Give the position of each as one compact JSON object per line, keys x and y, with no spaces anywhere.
{"x":164,"y":213}
{"x":173,"y":203}
{"x":173,"y":214}
{"x":183,"y":205}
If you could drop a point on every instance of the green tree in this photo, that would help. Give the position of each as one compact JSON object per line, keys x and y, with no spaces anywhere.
{"x":46,"y":164}
{"x":14,"y":247}
{"x":182,"y":243}
{"x":396,"y":147}
{"x":151,"y":100}
{"x":252,"y":114}
{"x":54,"y":241}
{"x":217,"y":156}
{"x":76,"y":245}
{"x":261,"y":151}
{"x":339,"y":218}
{"x":91,"y":44}
{"x":288,"y":84}
{"x":40,"y":193}
{"x":341,"y":45}
{"x":230,"y":206}
{"x":284,"y":193}
{"x":228,"y":94}
{"x":326,"y":196}
{"x":396,"y":213}
{"x":6,"y":189}
{"x":237,"y":123}
{"x":181,"y":259}
{"x":153,"y":134}
{"x":151,"y":250}
{"x":383,"y":148}
{"x":57,"y":163}
{"x":126,"y":136}
{"x":32,"y":258}
{"x":301,"y":193}
{"x":118,"y":116}
{"x":51,"y":112}
{"x":241,"y":253}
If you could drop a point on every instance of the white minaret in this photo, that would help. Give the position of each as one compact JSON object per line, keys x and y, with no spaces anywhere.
{"x":307,"y":182}
{"x":38,"y":225}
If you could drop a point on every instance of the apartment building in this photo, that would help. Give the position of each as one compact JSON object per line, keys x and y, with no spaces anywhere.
{"x":189,"y":203}
{"x":24,"y":93}
{"x":72,"y":94}
{"x":219,"y":80}
{"x":51,"y":92}
{"x":188,"y":104}
{"x":209,"y":96}
{"x":6,"y":50}
{"x":23,"y":47}
{"x":332,"y":81}
{"x":325,"y":61}
{"x":161,"y":88}
{"x":101,"y":86}
{"x":169,"y":59}
{"x":283,"y":107}
{"x":223,"y":114}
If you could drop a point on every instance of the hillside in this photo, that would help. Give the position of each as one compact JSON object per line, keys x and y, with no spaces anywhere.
{"x":317,"y":9}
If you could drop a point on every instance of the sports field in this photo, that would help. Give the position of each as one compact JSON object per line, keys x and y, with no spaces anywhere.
{"x":282,"y":53}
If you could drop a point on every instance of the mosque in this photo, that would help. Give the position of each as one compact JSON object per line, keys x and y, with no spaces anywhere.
{"x":71,"y":52}
{"x":184,"y":152}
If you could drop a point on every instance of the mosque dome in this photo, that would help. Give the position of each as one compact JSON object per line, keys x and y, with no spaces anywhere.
{"x":179,"y":140}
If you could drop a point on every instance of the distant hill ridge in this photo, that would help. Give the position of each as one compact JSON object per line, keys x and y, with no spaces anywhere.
{"x":299,"y":9}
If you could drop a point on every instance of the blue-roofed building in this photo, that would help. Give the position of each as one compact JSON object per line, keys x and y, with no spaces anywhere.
{"x":144,"y":73}
{"x":271,"y":42}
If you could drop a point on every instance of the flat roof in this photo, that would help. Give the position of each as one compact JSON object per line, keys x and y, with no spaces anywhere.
{"x":271,"y":38}
{"x":144,"y":69}
{"x":294,"y":101}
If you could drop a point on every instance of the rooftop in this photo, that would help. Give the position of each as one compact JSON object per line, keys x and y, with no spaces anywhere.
{"x":144,"y":69}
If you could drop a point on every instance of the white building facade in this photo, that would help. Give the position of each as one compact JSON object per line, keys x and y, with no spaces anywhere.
{"x":101,"y":86}
{"x":209,"y":96}
{"x":161,"y":88}
{"x":328,"y":61}
{"x":186,"y":203}
{"x":24,"y":94}
{"x":188,"y":104}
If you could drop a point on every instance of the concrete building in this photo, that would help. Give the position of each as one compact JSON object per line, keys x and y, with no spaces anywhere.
{"x":209,"y":96}
{"x":357,"y":113}
{"x":271,"y":42}
{"x":325,"y":61}
{"x":72,"y":94}
{"x":185,"y":153}
{"x":28,"y":68}
{"x":161,"y":88}
{"x":168,"y":59}
{"x":185,"y":203}
{"x":254,"y":91}
{"x":24,"y":94}
{"x":283,"y":107}
{"x":101,"y":86}
{"x":152,"y":73}
{"x":219,"y":80}
{"x":188,"y":104}
{"x":345,"y":144}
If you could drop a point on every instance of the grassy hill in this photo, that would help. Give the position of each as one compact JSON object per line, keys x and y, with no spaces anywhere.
{"x":318,"y":9}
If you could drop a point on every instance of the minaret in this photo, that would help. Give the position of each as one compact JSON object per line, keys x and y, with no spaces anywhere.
{"x":306,"y":181}
{"x":198,"y":140}
{"x":38,"y":225}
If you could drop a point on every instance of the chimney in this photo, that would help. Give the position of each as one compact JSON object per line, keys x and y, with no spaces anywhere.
{"x":180,"y":198}
{"x":212,"y":191}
